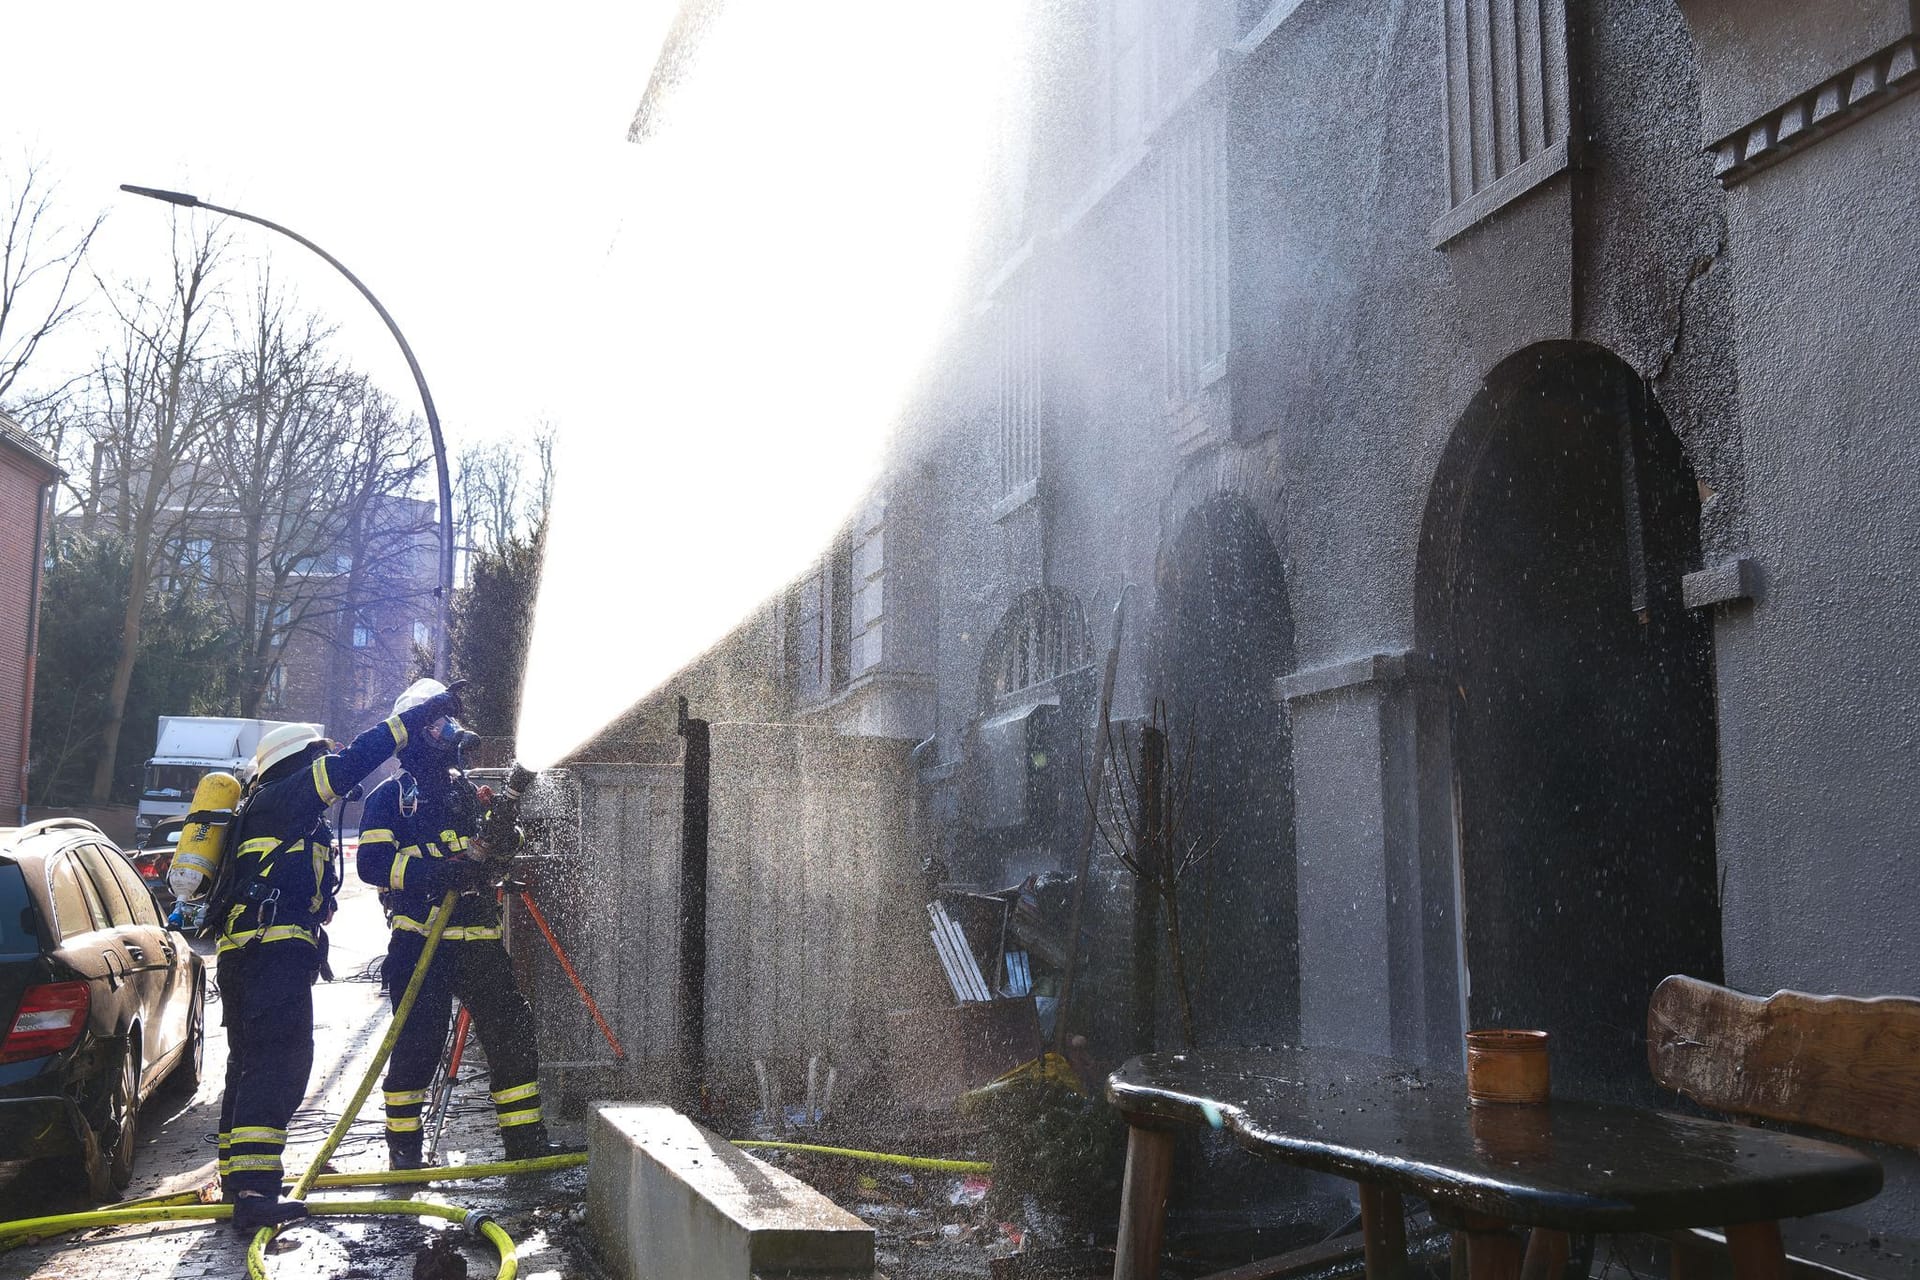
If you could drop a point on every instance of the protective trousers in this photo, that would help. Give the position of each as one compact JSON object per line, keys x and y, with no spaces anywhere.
{"x":266,"y":1004}
{"x":479,"y":973}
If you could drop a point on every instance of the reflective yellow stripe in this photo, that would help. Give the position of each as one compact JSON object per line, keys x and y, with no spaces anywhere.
{"x":406,"y":1097}
{"x":509,"y":1119}
{"x":260,"y":844}
{"x":403,"y":1124}
{"x":397,"y":878}
{"x":322,"y":783}
{"x":259,"y":1133}
{"x":378,"y":835}
{"x":398,"y":730}
{"x":519,"y":1091}
{"x":247,"y":1164}
{"x":460,"y":933}
{"x":278,"y":933}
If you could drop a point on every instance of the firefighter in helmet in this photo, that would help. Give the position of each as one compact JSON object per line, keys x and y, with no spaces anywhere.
{"x":276,"y":891}
{"x":416,"y":827}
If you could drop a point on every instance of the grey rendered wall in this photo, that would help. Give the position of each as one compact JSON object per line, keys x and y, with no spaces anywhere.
{"x":613,"y":896}
{"x":1819,"y":700}
{"x":815,"y":925}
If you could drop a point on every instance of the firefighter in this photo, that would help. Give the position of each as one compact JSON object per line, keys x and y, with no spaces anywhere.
{"x":416,"y":827}
{"x":277,"y":891}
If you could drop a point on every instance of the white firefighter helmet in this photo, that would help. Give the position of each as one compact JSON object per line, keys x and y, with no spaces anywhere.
{"x":418,"y":692}
{"x":280,"y":743}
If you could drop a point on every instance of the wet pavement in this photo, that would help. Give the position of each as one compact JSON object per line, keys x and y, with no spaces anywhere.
{"x":177,"y":1154}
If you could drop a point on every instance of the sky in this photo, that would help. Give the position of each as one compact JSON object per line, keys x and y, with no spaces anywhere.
{"x":469,"y":162}
{"x":722,"y":323}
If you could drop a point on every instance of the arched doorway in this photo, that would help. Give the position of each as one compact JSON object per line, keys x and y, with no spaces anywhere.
{"x":1225,"y":636}
{"x":1581,"y":709}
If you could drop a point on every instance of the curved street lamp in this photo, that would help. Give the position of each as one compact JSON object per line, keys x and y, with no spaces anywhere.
{"x":444,"y":592}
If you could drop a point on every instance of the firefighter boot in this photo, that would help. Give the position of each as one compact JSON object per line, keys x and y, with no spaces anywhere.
{"x":254,"y":1210}
{"x":527,"y":1141}
{"x":403,"y":1151}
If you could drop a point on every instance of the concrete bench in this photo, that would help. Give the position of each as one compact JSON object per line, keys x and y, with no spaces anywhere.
{"x":668,"y":1200}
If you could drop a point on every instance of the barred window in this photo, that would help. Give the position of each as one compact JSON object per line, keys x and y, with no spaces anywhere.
{"x":1020,"y":411}
{"x":1043,"y":636}
{"x":1194,"y":227}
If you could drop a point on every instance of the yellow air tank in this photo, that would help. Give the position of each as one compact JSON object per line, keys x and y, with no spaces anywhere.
{"x":197,"y":858}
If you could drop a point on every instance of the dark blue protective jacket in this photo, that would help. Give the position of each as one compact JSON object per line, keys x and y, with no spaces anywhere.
{"x":285,"y":894}
{"x":413,"y":823}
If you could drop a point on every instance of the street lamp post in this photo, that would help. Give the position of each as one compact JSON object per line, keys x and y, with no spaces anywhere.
{"x":444,"y":592}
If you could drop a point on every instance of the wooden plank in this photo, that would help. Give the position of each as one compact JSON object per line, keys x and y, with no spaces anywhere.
{"x":1851,"y":1066}
{"x":950,"y":959}
{"x":1493,"y":1254}
{"x":1547,"y":1254}
{"x":969,"y":965}
{"x":1757,"y":1251}
{"x":963,"y":971}
{"x":1143,"y":1203}
{"x":1383,"y":1224}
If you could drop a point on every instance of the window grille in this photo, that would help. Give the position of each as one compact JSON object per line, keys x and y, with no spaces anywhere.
{"x":1194,"y":226}
{"x":1509,"y":113}
{"x":1020,"y":402}
{"x":1043,"y":636}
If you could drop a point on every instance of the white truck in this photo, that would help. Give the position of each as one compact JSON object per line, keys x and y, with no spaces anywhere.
{"x":187,"y":748}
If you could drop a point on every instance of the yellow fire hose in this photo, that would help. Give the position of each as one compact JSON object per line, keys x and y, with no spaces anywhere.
{"x":873,"y":1157}
{"x":123,"y":1216}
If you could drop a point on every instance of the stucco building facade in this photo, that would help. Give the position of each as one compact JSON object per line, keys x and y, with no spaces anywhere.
{"x":1504,"y":417}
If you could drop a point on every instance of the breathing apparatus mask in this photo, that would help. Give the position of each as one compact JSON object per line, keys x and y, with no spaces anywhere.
{"x":450,"y":736}
{"x":446,"y":735}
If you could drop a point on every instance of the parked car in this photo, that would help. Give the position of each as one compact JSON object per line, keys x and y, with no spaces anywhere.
{"x":101,"y":1003}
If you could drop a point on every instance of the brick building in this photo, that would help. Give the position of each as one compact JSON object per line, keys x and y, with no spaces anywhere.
{"x":26,"y":473}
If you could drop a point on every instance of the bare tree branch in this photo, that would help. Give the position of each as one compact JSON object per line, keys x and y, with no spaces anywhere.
{"x":39,"y":257}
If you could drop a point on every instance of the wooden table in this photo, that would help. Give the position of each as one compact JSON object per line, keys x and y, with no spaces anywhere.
{"x":1563,"y":1167}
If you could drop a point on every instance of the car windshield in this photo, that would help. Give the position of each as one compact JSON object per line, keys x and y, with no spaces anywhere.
{"x":17,"y":934}
{"x":172,"y":781}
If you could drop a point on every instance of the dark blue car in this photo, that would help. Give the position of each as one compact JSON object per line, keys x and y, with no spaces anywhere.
{"x":100,"y":1004}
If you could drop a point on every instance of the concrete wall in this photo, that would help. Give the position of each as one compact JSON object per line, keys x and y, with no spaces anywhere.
{"x":612,"y":894}
{"x":1819,"y":708}
{"x":815,"y":925}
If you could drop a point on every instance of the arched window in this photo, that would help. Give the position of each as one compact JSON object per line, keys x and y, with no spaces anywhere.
{"x":1043,"y":636}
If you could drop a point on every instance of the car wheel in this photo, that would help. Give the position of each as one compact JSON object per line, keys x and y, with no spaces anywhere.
{"x":110,"y":1149}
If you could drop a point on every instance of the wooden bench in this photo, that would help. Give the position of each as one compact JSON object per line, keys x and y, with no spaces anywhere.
{"x":1847,"y":1066}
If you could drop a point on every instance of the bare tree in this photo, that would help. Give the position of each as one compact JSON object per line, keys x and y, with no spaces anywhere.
{"x":275,"y":437}
{"x":489,"y":493}
{"x":540,"y":502}
{"x":316,"y":469}
{"x":1141,"y":808}
{"x":39,"y":259}
{"x":154,"y":418}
